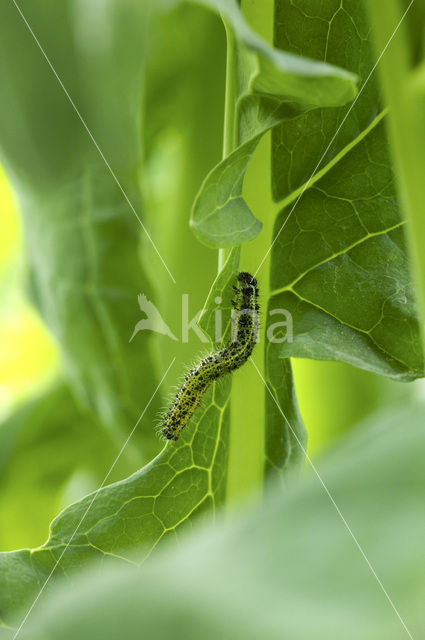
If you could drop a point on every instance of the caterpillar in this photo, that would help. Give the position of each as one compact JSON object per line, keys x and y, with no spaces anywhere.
{"x":218,"y":364}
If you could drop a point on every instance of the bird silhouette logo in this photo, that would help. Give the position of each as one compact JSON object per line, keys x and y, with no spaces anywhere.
{"x":153,"y":321}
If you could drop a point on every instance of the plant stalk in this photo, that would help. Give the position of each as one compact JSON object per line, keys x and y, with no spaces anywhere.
{"x":246,"y":451}
{"x":229,"y":110}
{"x":405,"y":96}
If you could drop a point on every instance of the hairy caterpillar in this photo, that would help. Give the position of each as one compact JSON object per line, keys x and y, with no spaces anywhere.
{"x":234,"y":355}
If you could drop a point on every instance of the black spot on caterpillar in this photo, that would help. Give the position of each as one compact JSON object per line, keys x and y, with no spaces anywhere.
{"x":216,"y":365}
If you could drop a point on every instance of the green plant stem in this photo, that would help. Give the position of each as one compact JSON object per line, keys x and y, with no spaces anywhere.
{"x":231,"y":92}
{"x":246,"y":452}
{"x":406,"y":98}
{"x":229,"y":110}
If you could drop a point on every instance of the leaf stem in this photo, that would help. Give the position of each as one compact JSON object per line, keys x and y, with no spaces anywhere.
{"x":229,"y":110}
{"x":247,"y":431}
{"x":405,"y":97}
{"x":231,"y":92}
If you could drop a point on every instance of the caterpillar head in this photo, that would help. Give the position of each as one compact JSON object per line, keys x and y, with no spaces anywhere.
{"x":248,"y":282}
{"x":246,"y":278}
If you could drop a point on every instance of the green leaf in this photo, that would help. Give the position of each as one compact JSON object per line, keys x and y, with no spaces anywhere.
{"x":284,"y":74}
{"x":265,"y":569}
{"x":271,"y":86}
{"x":285,"y":434}
{"x":187,"y":480}
{"x":51,"y":452}
{"x":337,"y":35}
{"x":220,"y":216}
{"x":339,"y":262}
{"x":82,"y":236}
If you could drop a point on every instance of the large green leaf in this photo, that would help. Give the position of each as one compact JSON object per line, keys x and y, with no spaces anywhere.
{"x":81,"y":234}
{"x":339,"y":263}
{"x":186,"y":480}
{"x":339,"y":266}
{"x":335,"y":33}
{"x":289,"y":569}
